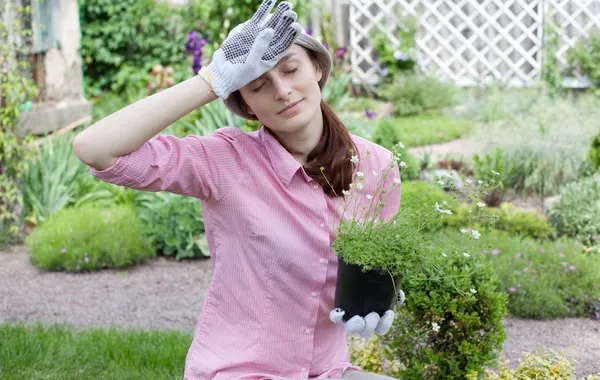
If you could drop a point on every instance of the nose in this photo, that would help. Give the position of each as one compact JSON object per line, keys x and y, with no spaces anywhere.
{"x":282,"y":89}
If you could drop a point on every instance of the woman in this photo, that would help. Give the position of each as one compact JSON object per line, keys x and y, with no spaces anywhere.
{"x":269,"y":210}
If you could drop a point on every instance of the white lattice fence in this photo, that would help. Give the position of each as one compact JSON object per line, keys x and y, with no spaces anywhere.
{"x":472,"y":42}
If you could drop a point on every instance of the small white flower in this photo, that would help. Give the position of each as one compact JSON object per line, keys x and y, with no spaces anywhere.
{"x":445,"y":203}
{"x":465,"y":254}
{"x":438,"y":209}
{"x":352,"y":185}
{"x":400,"y":144}
{"x":480,"y":182}
{"x":473,"y":291}
{"x":369,"y":196}
{"x":441,"y":182}
{"x":464,"y":230}
{"x":354,"y":159}
{"x":468,"y":180}
{"x":480,"y":204}
{"x":359,"y":186}
{"x":476,"y":234}
{"x":435,"y":327}
{"x":345,"y":192}
{"x":397,"y":181}
{"x":495,"y":172}
{"x":443,"y":254}
{"x":360,"y":174}
{"x":402,"y":164}
{"x":374,"y":173}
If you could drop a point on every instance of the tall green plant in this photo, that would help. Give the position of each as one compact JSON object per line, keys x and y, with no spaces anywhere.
{"x":585,"y":57}
{"x":16,"y":89}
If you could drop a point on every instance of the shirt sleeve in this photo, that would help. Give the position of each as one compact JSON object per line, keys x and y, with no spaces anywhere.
{"x":204,"y":167}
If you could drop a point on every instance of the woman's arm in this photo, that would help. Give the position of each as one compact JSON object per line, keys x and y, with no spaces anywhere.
{"x":126,"y":130}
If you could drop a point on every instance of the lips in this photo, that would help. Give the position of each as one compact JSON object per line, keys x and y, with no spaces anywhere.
{"x":290,"y":106}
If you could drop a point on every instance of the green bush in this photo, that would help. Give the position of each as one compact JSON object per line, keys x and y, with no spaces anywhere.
{"x":451,"y":324}
{"x":585,"y":57}
{"x":543,"y":279}
{"x":175,"y":225}
{"x":416,"y":94}
{"x":505,"y":218}
{"x":537,"y":365}
{"x":386,"y":135}
{"x":543,"y":147}
{"x":577,"y":213}
{"x":123,"y":39}
{"x":595,"y":153}
{"x":360,"y":126}
{"x":88,"y":239}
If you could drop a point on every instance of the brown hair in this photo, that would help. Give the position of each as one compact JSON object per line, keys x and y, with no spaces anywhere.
{"x":332,"y":153}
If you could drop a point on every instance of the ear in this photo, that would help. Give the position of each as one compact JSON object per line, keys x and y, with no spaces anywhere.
{"x":319,"y":72}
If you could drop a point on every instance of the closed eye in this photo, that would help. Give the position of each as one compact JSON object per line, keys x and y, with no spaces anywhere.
{"x":292,"y":71}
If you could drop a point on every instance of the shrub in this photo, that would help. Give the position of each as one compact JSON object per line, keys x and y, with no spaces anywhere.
{"x":88,"y":239}
{"x":385,"y":135}
{"x":595,"y":153}
{"x":549,"y":279}
{"x":452,"y":322}
{"x":360,"y":126}
{"x":537,"y":365}
{"x":505,"y":218}
{"x":577,"y":213}
{"x":585,"y":56}
{"x":544,"y":147}
{"x":124,"y":38}
{"x":175,"y":225}
{"x":416,"y":94}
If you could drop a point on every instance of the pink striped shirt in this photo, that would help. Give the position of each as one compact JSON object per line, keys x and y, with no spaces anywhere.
{"x":269,"y":228}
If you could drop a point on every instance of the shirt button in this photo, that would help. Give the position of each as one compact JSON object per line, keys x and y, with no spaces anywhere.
{"x":322,"y":260}
{"x":314,"y":294}
{"x":308,"y":331}
{"x":303,"y":369}
{"x":322,"y":225}
{"x":316,"y":186}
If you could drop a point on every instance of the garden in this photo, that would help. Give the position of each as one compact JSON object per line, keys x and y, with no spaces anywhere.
{"x":533,"y":251}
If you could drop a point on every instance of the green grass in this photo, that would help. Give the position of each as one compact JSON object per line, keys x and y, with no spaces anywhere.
{"x":540,"y":281}
{"x":60,"y":353}
{"x":427,"y":129}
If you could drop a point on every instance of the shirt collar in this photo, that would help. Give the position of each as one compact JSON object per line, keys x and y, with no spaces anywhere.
{"x":283,"y":163}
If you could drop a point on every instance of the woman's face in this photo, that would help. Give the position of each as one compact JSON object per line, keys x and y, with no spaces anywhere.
{"x":292,"y":82}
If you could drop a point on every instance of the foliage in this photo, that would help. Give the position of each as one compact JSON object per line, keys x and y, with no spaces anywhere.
{"x":585,"y":57}
{"x":543,"y":278}
{"x":399,"y":58}
{"x":544,"y":146}
{"x":427,"y":129}
{"x":175,"y":225}
{"x":388,"y":136}
{"x":595,"y":153}
{"x":490,"y":166}
{"x":89,"y":238}
{"x":17,"y":89}
{"x":416,"y":94}
{"x":359,"y":126}
{"x":505,"y":218}
{"x":36,"y":351}
{"x":551,"y":72}
{"x":206,"y":120}
{"x":538,"y":365}
{"x":577,"y":213}
{"x":366,"y":355}
{"x":123,"y":39}
{"x":451,"y":324}
{"x":336,"y":93}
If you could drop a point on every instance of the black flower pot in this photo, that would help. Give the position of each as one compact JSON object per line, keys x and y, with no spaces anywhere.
{"x":359,"y":293}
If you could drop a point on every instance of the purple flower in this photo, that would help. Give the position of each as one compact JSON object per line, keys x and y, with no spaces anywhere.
{"x":495,"y":251}
{"x":542,"y":250}
{"x":194,"y":43}
{"x":309,"y":31}
{"x":561,"y":254}
{"x":512,"y":290}
{"x":564,"y":264}
{"x":517,"y":256}
{"x":325,"y":44}
{"x":572,"y":267}
{"x":385,"y":72}
{"x":370,"y":114}
{"x":400,"y":55}
{"x":526,"y":269}
{"x":340,"y":52}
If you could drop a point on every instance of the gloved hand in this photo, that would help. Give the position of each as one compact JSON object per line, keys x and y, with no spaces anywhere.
{"x":372,"y":322}
{"x":252,"y":48}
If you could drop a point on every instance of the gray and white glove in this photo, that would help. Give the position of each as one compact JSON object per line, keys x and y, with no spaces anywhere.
{"x":369,"y":324}
{"x":252,"y":48}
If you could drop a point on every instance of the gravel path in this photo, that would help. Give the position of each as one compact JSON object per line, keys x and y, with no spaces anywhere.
{"x":167,"y":295}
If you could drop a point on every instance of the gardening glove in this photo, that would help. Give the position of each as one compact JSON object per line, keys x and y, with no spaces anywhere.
{"x":372,"y":322}
{"x":252,"y":48}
